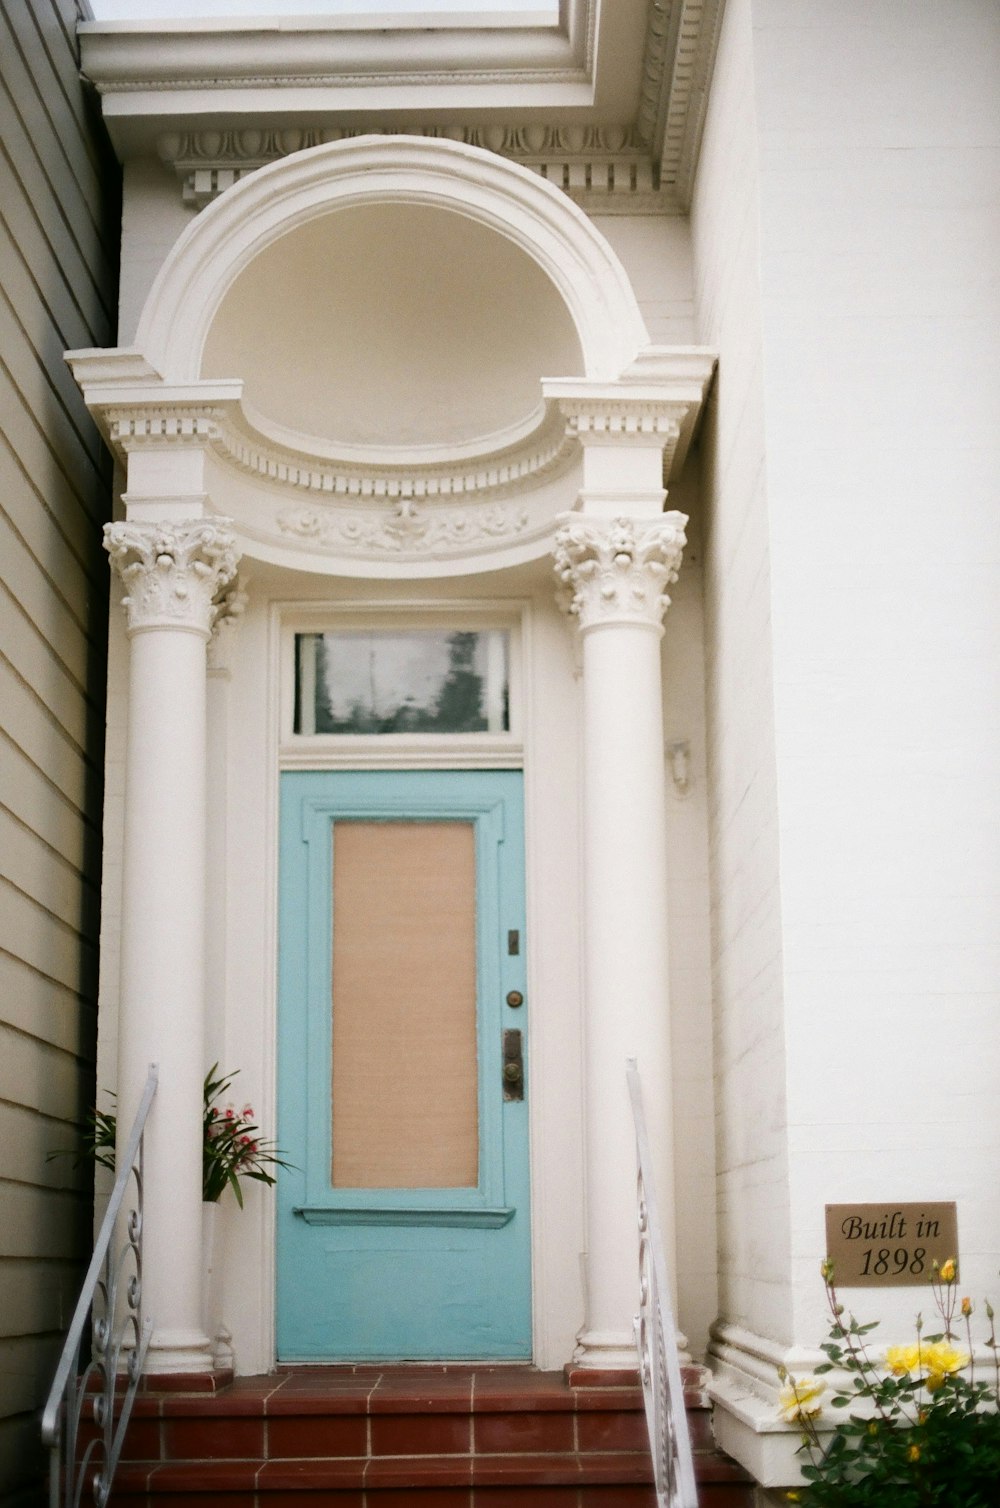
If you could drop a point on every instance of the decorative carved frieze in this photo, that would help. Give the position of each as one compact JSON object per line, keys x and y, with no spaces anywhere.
{"x":618,"y":571}
{"x":603,"y":168}
{"x":408,"y":528}
{"x":173,"y":574}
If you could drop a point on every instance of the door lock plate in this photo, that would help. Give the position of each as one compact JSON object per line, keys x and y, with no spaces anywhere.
{"x":513,"y":1065}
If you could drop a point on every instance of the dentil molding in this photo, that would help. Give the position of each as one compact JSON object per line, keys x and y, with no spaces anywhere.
{"x":618,"y":571}
{"x":173,"y":574}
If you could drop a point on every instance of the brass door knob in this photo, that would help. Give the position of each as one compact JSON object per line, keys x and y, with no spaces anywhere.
{"x":515,"y":998}
{"x":513,"y":1073}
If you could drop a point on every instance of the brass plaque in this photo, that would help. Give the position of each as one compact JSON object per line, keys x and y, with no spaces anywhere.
{"x":889,"y":1245}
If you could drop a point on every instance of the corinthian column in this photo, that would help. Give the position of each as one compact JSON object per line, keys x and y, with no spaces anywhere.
{"x":172,"y":573}
{"x":614,"y":575}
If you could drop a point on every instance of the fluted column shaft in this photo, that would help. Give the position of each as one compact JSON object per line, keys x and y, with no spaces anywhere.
{"x":614,"y":576}
{"x":171,"y":573}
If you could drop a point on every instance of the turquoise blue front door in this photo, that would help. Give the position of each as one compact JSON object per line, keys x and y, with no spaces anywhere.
{"x":403,"y":1228}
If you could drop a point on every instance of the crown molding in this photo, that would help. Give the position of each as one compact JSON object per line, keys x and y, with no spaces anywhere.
{"x":216,"y":102}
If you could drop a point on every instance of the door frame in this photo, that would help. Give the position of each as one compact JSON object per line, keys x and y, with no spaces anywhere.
{"x":245,"y":701}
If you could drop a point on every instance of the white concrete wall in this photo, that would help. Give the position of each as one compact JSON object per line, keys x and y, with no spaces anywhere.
{"x":879,"y":167}
{"x":747,"y":974}
{"x":845,"y":233}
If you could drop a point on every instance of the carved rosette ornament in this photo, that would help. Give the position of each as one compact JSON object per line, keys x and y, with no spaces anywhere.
{"x":173,"y":574}
{"x":618,"y":570}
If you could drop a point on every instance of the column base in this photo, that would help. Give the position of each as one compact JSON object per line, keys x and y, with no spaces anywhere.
{"x":611,"y":1350}
{"x":183,"y":1351}
{"x":606,"y":1351}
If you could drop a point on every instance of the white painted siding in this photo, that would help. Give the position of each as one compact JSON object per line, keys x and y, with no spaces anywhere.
{"x":56,"y":291}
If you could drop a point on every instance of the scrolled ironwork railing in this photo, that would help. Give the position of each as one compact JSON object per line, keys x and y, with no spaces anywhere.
{"x":656,"y":1336}
{"x":99,"y":1396}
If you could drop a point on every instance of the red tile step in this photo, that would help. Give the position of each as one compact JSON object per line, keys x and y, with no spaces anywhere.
{"x":424,"y":1437}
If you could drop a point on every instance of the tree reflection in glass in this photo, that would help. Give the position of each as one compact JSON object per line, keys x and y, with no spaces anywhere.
{"x":418,"y":681}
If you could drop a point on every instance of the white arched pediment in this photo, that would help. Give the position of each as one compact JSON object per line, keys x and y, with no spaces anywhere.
{"x":203,"y":410}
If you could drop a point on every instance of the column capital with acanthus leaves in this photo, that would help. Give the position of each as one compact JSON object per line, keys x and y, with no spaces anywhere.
{"x":616,"y":571}
{"x":173,"y":573}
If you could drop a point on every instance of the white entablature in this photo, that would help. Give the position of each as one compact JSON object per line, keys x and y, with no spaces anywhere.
{"x":480,"y":492}
{"x":607,"y":104}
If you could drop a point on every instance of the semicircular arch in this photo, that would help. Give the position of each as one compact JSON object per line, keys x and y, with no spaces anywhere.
{"x":501,"y":195}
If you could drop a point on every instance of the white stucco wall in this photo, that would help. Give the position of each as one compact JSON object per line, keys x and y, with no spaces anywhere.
{"x":845,"y":234}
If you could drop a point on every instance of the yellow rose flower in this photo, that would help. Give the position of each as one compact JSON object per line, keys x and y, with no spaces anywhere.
{"x":940,"y":1360}
{"x":947,"y":1271}
{"x":913,"y":1454}
{"x":902,"y":1359}
{"x":797,"y":1399}
{"x":966,"y":1308}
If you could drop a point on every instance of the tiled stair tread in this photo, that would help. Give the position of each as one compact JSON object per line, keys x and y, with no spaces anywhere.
{"x":415,"y":1471}
{"x":312,"y":1393}
{"x":373,"y":1472}
{"x":466,"y":1435}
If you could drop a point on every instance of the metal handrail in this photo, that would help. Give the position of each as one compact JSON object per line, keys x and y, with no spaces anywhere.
{"x":656,"y":1335}
{"x":71,"y":1388}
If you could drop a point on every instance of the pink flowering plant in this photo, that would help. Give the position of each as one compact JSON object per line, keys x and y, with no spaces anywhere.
{"x":233,"y":1147}
{"x":921,"y":1430}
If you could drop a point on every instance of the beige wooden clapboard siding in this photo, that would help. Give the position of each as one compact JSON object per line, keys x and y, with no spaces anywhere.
{"x":58,"y":250}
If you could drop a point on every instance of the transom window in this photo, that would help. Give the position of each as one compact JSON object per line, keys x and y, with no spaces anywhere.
{"x":402,"y":681}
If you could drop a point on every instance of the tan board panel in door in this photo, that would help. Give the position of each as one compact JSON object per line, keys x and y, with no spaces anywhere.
{"x":405,"y":1083}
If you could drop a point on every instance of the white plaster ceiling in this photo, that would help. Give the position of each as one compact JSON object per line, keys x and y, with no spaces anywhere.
{"x":392,"y":325}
